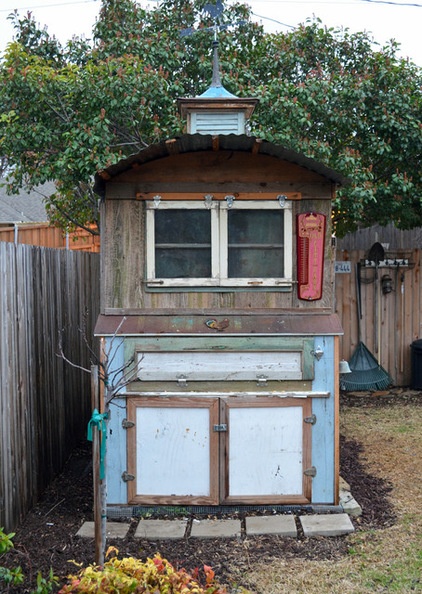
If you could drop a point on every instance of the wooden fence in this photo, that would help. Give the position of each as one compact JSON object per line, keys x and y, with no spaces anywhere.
{"x":46,"y":235}
{"x":47,"y":296}
{"x":387,"y":323}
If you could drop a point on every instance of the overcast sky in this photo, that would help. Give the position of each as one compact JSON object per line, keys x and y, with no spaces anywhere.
{"x":383,"y":19}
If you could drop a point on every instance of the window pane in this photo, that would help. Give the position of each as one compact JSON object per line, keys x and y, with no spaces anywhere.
{"x":256,"y":243}
{"x":183,"y":263}
{"x":182,"y":226}
{"x":182,"y":243}
{"x":256,"y":226}
{"x":267,"y":263}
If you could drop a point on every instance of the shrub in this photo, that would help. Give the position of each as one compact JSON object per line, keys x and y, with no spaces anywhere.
{"x":156,"y":576}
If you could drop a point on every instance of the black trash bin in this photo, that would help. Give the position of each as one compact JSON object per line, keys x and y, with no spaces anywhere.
{"x":416,"y":347}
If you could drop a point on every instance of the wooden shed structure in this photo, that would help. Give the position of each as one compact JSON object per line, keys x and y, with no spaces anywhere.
{"x":218,"y":280}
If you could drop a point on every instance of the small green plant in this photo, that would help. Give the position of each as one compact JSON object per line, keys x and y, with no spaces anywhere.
{"x":15,"y":577}
{"x":9,"y":577}
{"x":5,"y":541}
{"x":132,"y":575}
{"x":45,"y":585}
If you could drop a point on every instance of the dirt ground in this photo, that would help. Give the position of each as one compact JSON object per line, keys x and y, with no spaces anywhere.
{"x":46,"y":539}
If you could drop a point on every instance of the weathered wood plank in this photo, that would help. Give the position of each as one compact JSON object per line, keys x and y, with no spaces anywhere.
{"x":44,"y":402}
{"x":391,"y":322}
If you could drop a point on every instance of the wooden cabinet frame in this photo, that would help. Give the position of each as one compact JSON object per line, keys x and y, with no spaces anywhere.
{"x":214,"y":463}
{"x":303,"y":407}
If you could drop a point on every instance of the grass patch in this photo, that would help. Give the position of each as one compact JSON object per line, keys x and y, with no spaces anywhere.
{"x":386,"y":560}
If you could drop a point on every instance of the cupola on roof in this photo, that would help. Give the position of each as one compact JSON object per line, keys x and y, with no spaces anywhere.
{"x":216,"y":111}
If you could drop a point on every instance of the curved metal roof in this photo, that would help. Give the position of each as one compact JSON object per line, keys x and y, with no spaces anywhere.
{"x":189,"y":143}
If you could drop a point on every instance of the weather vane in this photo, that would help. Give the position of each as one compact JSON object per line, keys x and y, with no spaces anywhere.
{"x":214,"y":11}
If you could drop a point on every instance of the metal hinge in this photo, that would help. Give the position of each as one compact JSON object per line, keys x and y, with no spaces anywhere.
{"x":311,"y":420}
{"x":310,"y":471}
{"x":220,"y":428}
{"x":127,"y":424}
{"x":127,"y":477}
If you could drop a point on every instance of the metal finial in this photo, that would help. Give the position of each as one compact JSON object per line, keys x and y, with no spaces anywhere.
{"x":216,"y":80}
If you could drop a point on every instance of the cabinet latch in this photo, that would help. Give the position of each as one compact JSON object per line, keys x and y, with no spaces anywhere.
{"x":127,"y":424}
{"x":310,"y":471}
{"x":261,"y":380}
{"x":311,"y":420}
{"x":220,"y":428}
{"x":126,"y":477}
{"x":182,"y":380}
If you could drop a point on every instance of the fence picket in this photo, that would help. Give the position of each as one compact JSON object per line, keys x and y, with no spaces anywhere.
{"x":44,"y":402}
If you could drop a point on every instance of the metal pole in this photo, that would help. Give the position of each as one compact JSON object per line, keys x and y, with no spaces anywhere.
{"x":96,"y":436}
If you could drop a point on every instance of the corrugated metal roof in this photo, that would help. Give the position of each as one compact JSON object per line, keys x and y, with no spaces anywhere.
{"x":199,"y":142}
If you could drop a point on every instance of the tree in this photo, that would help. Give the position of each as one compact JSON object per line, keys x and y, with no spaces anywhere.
{"x":69,"y":112}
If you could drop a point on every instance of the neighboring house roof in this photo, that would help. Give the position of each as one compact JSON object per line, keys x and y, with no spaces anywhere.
{"x":201,"y":142}
{"x":24,"y":207}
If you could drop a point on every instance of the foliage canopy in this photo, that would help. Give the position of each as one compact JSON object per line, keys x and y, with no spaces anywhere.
{"x":70,"y":111}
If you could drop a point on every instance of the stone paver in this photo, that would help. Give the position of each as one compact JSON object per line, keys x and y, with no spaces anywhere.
{"x":326,"y":525}
{"x":161,"y":529}
{"x":113,"y":530}
{"x":282,"y":525}
{"x":216,"y":528}
{"x":347,"y":501}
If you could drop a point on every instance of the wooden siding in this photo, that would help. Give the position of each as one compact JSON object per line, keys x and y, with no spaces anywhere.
{"x":123,"y":269}
{"x":45,"y":235}
{"x":224,"y":167}
{"x":44,"y":402}
{"x":389,"y":236}
{"x":388,"y":324}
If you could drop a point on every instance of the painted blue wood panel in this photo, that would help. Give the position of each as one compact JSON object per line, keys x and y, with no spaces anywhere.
{"x":323,"y":453}
{"x":116,"y":437}
{"x":323,"y":432}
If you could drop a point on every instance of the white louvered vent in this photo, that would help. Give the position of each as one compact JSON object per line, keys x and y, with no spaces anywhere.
{"x":217,"y":122}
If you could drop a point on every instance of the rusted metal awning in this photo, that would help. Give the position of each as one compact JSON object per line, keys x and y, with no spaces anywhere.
{"x":200,"y":142}
{"x":155,"y":323}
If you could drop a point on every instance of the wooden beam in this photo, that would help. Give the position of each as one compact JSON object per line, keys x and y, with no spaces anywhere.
{"x":218,"y":195}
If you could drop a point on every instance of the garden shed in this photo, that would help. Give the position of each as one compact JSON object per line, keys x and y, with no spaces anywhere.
{"x":218,"y":283}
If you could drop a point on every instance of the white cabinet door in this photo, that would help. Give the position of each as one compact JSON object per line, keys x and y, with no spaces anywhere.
{"x":268,"y":451}
{"x":199,"y":451}
{"x":173,"y":450}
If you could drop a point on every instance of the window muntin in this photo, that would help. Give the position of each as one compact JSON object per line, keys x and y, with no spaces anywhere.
{"x":190,"y":243}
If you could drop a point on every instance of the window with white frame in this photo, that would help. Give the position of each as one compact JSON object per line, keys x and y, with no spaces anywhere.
{"x":219,"y":243}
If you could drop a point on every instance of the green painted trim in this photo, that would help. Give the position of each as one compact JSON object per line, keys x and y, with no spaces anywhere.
{"x":217,"y":343}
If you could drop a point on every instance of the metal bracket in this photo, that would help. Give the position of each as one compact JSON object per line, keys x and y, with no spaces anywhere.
{"x":126,"y":477}
{"x":221,"y":428}
{"x":127,"y":424}
{"x":156,"y":200}
{"x":310,"y":471}
{"x":311,"y":420}
{"x":282,"y":200}
{"x":317,"y":353}
{"x":208,"y":200}
{"x":230,"y":199}
{"x":261,"y":380}
{"x":182,"y":380}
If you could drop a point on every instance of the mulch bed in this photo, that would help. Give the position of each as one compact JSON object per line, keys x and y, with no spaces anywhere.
{"x":47,"y":538}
